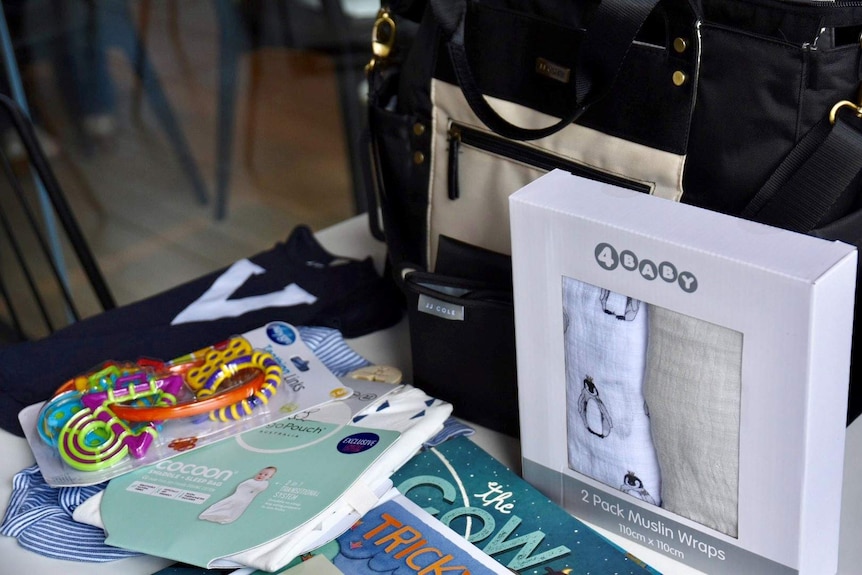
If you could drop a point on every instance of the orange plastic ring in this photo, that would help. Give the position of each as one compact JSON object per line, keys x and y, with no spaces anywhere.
{"x":191,"y":407}
{"x":68,"y":386}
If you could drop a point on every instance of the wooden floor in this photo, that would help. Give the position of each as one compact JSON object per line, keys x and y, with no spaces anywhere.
{"x":136,"y":205}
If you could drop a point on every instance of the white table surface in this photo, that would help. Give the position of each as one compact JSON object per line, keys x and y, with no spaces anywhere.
{"x":391,"y":347}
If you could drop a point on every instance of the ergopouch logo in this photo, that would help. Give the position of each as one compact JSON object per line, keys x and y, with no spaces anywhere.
{"x":610,"y":259}
{"x":440,"y":308}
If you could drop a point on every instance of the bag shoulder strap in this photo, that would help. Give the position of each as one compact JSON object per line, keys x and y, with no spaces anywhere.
{"x":611,"y":32}
{"x":815,"y":178}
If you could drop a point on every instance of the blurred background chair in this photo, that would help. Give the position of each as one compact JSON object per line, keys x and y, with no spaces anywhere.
{"x":36,"y":279}
{"x":341,"y":29}
{"x":73,"y":36}
{"x":131,"y":197}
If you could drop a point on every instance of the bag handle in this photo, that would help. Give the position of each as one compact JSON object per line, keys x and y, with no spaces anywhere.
{"x":599,"y":60}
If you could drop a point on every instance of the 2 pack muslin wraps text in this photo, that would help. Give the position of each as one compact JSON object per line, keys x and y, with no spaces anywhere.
{"x":653,"y":403}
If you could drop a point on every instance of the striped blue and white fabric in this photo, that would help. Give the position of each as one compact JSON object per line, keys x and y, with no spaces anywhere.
{"x":40,"y":516}
{"x":331,"y":349}
{"x":451,"y":428}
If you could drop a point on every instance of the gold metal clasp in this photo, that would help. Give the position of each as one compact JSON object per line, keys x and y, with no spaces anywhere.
{"x":382,"y":38}
{"x":833,"y":114}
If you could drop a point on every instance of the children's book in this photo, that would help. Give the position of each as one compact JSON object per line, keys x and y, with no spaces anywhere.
{"x":476,"y":499}
{"x":396,"y":537}
{"x":506,"y":517}
{"x":238,"y":494}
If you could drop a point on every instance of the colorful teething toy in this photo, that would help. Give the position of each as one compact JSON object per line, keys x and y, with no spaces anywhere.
{"x":134,"y":387}
{"x":193,"y":406}
{"x":95,"y":438}
{"x":197,"y":377}
{"x":56,"y":413}
{"x":258,"y":373}
{"x":97,"y":419}
{"x":271,"y":380}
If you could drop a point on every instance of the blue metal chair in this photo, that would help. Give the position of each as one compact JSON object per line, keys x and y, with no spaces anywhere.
{"x":95,"y":26}
{"x":36,"y":295}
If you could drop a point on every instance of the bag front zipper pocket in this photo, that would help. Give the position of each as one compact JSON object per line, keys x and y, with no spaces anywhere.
{"x":460,"y":134}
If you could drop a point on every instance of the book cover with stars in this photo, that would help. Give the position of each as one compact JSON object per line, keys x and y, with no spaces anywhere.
{"x":397,"y":537}
{"x":492,"y":507}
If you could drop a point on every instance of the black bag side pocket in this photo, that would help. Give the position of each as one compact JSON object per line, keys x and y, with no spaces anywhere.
{"x":462,"y":337}
{"x":399,"y":182}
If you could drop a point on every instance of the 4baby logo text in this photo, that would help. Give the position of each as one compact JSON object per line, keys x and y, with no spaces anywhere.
{"x":609,"y":258}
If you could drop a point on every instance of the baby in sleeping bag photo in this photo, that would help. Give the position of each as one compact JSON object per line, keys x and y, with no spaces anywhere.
{"x":231,"y":507}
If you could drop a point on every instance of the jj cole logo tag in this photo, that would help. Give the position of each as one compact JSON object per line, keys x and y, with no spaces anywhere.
{"x":609,"y":259}
{"x":440,"y":308}
{"x":554,"y":71}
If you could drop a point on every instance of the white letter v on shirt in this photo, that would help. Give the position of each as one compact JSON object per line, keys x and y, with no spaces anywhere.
{"x":214,"y":303}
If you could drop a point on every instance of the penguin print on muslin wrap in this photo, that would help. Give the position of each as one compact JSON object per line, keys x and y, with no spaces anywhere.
{"x":635,"y":487}
{"x":621,"y":307}
{"x":593,"y":412}
{"x":608,"y":427}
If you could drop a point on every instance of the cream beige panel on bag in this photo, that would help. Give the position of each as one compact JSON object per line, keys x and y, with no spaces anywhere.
{"x":482,"y":218}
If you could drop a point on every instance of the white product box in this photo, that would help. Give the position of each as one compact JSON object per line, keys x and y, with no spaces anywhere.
{"x":744,"y":356}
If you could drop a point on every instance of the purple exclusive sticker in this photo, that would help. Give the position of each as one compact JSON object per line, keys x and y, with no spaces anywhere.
{"x":358,"y":442}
